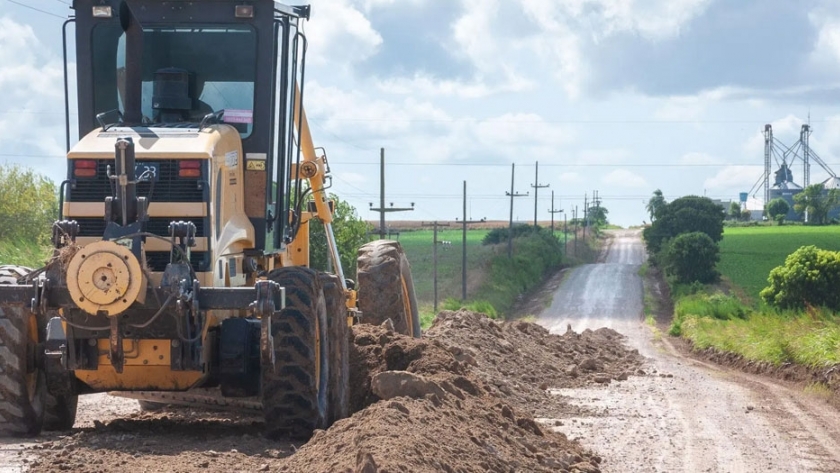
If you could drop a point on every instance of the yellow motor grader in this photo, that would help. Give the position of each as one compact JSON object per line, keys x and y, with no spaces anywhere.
{"x":181,"y":264}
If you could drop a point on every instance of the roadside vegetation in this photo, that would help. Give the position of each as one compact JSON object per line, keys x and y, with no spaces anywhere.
{"x":28,"y":208}
{"x":777,"y":302}
{"x":748,"y":254}
{"x":495,"y":282}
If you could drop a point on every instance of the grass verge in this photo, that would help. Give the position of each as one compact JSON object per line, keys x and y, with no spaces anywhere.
{"x":722,"y":322}
{"x":23,"y":253}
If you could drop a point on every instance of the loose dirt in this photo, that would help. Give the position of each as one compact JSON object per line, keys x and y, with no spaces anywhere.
{"x":463,"y":398}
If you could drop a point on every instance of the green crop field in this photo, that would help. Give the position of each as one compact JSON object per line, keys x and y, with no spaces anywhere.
{"x":418,"y":248}
{"x":747,"y":254}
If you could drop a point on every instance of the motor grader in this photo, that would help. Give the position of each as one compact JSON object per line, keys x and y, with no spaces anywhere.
{"x":180,"y":271}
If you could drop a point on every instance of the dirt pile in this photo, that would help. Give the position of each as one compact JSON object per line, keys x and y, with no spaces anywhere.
{"x":520,"y":361}
{"x":432,"y":414}
{"x":462,"y":398}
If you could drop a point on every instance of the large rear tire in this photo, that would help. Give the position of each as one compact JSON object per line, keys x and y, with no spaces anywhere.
{"x":295,"y":390}
{"x":59,"y":412}
{"x":338,"y":332}
{"x":23,"y":388}
{"x":386,"y":289}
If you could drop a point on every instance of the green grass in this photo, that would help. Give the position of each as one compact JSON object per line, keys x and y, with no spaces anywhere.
{"x":418,"y":249}
{"x":747,"y":254}
{"x":811,"y":340}
{"x":819,"y":389}
{"x":427,"y":316}
{"x":23,"y":253}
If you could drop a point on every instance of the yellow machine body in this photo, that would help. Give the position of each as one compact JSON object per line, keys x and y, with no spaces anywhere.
{"x":231,"y":233}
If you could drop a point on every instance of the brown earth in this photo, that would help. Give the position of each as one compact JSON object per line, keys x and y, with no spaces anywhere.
{"x":463,"y":398}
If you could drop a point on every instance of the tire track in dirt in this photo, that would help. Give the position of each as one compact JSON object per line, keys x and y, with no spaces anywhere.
{"x":683,"y":415}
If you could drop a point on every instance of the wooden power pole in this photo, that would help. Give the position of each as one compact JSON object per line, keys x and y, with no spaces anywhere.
{"x":553,"y":211}
{"x":537,"y":186}
{"x":512,"y":194}
{"x":382,"y":209}
{"x":464,"y":223}
{"x":434,"y":224}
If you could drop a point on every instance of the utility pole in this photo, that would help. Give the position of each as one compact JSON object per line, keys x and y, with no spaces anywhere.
{"x":596,"y":201}
{"x":512,"y":194}
{"x":464,"y":223}
{"x":537,"y":186}
{"x":434,"y":224}
{"x":382,"y":209}
{"x":553,"y":211}
{"x":576,"y":228}
{"x":585,"y":214}
{"x":565,"y":234}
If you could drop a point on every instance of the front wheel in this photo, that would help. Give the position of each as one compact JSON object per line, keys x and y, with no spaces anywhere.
{"x":386,"y":289}
{"x":295,"y":390}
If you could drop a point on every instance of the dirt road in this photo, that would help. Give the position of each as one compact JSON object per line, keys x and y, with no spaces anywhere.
{"x":683,"y":415}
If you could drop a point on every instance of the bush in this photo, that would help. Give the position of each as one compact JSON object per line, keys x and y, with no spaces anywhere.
{"x":716,"y":306}
{"x":684,"y":215}
{"x":691,"y":257}
{"x":500,"y":235}
{"x":350,"y":233}
{"x":535,"y":256}
{"x":29,"y":201}
{"x":810,"y":276}
{"x":778,"y":209}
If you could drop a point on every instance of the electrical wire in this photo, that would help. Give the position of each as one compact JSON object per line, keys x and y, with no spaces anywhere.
{"x":36,"y":9}
{"x":157,"y":314}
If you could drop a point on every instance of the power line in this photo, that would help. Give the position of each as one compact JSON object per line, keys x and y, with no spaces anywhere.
{"x":557,"y":121}
{"x":673,"y":165}
{"x":36,"y":9}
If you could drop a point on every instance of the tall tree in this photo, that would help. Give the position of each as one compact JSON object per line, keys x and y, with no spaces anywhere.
{"x":350,"y":233}
{"x":28,"y":204}
{"x":817,"y":202}
{"x":778,"y":209}
{"x":734,"y":210}
{"x":598,"y":215}
{"x":656,"y":202}
{"x":685,"y":215}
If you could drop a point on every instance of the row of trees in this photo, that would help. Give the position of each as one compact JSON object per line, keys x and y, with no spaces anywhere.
{"x":814,"y":200}
{"x":683,"y":237}
{"x":28,"y":205}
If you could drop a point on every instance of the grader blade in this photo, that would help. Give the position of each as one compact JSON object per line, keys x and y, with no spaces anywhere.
{"x":198,"y":398}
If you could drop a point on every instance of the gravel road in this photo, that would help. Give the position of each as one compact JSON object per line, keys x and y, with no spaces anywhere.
{"x":683,"y":414}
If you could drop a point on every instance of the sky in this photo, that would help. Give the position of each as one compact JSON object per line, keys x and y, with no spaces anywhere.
{"x":621,"y":97}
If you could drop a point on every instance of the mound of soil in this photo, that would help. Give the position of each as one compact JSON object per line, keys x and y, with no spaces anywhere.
{"x":423,"y":409}
{"x":521,"y":361}
{"x":463,"y":398}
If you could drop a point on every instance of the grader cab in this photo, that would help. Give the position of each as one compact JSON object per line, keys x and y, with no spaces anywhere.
{"x":180,"y":264}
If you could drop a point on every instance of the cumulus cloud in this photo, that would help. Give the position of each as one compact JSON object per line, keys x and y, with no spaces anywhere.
{"x":569,"y":178}
{"x":734,"y":178}
{"x":624,"y":178}
{"x":340,"y":34}
{"x":32,"y":119}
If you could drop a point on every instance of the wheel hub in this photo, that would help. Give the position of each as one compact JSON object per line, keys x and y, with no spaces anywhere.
{"x":104,"y":277}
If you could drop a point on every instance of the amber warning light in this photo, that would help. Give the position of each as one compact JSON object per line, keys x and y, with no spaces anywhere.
{"x":190,"y":168}
{"x":84,"y":168}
